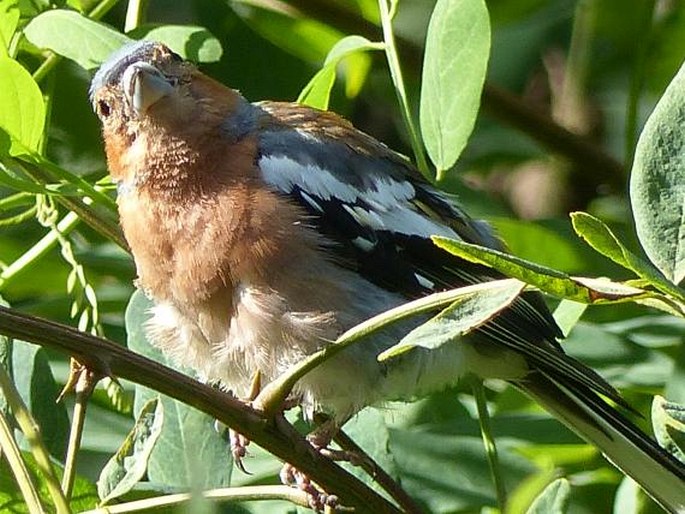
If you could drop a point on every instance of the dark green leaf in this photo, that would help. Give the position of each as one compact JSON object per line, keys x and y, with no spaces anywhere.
{"x":600,"y":237}
{"x":83,"y":496}
{"x":579,"y":289}
{"x":303,"y":37}
{"x":36,"y":385}
{"x":196,"y":44}
{"x":455,"y":62}
{"x":189,"y":453}
{"x":668,"y":420}
{"x":465,"y":314}
{"x":657,"y":182}
{"x":74,"y":36}
{"x":553,"y":500}
{"x":22,"y":110}
{"x":129,"y":465}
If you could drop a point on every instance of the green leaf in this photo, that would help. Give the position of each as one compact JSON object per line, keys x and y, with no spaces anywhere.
{"x":553,"y":500}
{"x":465,"y":314}
{"x":303,"y":37}
{"x":74,"y":36}
{"x":9,"y":19}
{"x":668,"y":420}
{"x":83,"y":495}
{"x":22,"y":110}
{"x":567,"y":314}
{"x":556,"y":283}
{"x":318,"y":91}
{"x":520,"y":499}
{"x":34,"y":380}
{"x":196,"y":44}
{"x":602,"y":239}
{"x":129,"y":465}
{"x":189,"y":453}
{"x":455,"y":63}
{"x":657,"y":182}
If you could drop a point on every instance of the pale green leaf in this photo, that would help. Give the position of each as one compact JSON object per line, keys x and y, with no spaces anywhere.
{"x":553,"y":500}
{"x":602,"y":239}
{"x":22,"y":110}
{"x":196,"y":44}
{"x":466,"y":313}
{"x":317,"y":92}
{"x":189,"y":452}
{"x":129,"y":465}
{"x":668,"y":421}
{"x":657,"y":182}
{"x":567,"y":314}
{"x":74,"y":36}
{"x":455,"y":63}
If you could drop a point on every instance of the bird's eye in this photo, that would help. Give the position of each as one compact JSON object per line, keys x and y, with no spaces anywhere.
{"x":103,"y":109}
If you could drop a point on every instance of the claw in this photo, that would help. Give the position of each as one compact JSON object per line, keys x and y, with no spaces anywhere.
{"x":239,"y":451}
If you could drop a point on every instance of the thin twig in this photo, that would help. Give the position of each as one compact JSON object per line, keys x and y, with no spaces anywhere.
{"x":233,"y":494}
{"x":489,"y":442}
{"x":398,"y":82}
{"x":84,"y":384}
{"x":12,"y":453}
{"x":388,"y":483}
{"x":32,"y":433}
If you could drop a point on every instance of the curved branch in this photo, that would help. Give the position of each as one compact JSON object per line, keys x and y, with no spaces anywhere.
{"x":108,"y":358}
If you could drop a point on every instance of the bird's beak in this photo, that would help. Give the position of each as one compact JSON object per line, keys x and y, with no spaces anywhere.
{"x":144,"y":85}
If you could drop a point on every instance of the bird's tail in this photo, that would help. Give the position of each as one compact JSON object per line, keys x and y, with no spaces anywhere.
{"x":660,"y":474}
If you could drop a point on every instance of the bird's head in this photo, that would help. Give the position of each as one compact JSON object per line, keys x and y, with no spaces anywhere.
{"x":142,"y":81}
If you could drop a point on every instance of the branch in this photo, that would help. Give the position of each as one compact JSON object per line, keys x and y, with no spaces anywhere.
{"x":108,"y":358}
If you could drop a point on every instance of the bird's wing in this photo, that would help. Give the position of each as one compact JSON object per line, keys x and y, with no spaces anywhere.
{"x":380,"y":213}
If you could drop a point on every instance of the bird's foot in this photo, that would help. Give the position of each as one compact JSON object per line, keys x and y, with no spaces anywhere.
{"x":239,"y":444}
{"x":319,"y":500}
{"x":320,"y":438}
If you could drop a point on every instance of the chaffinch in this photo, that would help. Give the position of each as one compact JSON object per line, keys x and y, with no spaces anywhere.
{"x":263,"y":231}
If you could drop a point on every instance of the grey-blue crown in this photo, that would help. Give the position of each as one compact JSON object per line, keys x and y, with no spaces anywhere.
{"x":111,"y":70}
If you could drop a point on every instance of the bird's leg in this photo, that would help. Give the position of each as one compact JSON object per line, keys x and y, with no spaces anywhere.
{"x":239,"y":442}
{"x":320,"y":438}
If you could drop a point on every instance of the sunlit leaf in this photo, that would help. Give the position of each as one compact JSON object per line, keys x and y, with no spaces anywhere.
{"x":657,"y":182}
{"x":318,"y":91}
{"x":22,"y":110}
{"x":602,"y":239}
{"x":9,"y":18}
{"x":668,"y":420}
{"x":74,"y":36}
{"x":567,"y":314}
{"x":455,"y":62}
{"x":553,"y":500}
{"x":465,"y":314}
{"x":196,"y":44}
{"x":129,"y":465}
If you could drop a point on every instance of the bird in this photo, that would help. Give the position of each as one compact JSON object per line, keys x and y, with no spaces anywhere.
{"x":262,"y":231}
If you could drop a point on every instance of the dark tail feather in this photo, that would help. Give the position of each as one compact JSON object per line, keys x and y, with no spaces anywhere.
{"x":661,"y":475}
